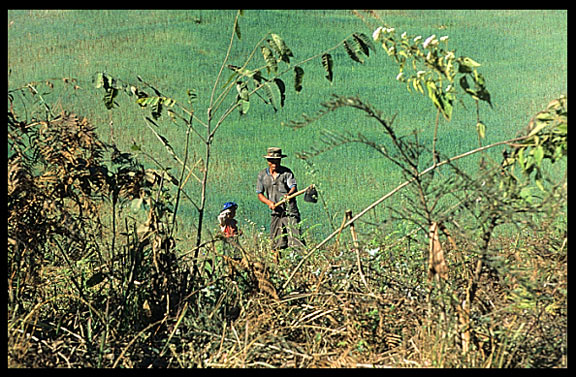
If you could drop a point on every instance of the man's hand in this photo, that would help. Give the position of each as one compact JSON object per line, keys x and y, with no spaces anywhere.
{"x":266,"y":201}
{"x":284,"y":198}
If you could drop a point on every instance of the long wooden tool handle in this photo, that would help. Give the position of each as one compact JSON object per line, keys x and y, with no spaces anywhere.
{"x":291,"y":196}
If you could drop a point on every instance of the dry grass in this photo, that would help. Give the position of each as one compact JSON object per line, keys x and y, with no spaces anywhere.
{"x":327,"y":320}
{"x":100,"y":287}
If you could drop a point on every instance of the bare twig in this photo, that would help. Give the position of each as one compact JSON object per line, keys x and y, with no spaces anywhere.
{"x":391,"y":193}
{"x":356,"y":249}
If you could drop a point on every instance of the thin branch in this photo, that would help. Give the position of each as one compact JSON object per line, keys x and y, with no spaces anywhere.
{"x":190,"y":172}
{"x":235,"y":105}
{"x":164,"y":142}
{"x":181,"y":180}
{"x":222,"y":95}
{"x":224,"y":61}
{"x":435,"y":137}
{"x":188,"y":122}
{"x":394,"y":191}
{"x":176,"y":103}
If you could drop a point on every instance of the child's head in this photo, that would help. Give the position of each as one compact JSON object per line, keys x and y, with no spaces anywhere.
{"x":230,"y":206}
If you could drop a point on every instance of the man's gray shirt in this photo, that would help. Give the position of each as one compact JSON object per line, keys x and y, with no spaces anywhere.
{"x":275,"y":189}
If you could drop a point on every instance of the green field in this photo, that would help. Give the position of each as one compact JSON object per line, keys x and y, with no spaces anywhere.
{"x":465,"y":267}
{"x":523,"y":55}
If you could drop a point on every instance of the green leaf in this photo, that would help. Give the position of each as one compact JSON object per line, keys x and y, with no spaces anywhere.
{"x":273,"y":94}
{"x":538,"y":180}
{"x":538,"y":128}
{"x":242,"y":89}
{"x":364,"y":42}
{"x":98,"y":80}
{"x":545,"y":116}
{"x":282,"y":89}
{"x":192,"y":96}
{"x":328,"y":63}
{"x":481,"y":91}
{"x":520,"y":158}
{"x":448,"y":100}
{"x":464,"y":83}
{"x":242,"y":99}
{"x":298,"y":75}
{"x":528,"y":164}
{"x":351,"y":51}
{"x":157,"y":110}
{"x":538,"y":154}
{"x":278,"y":45}
{"x":136,"y":205}
{"x":561,"y":129}
{"x":242,"y":71}
{"x":243,"y":106}
{"x":270,"y":60}
{"x":167,"y":101}
{"x":484,"y":95}
{"x":466,"y":65}
{"x":526,"y":194}
{"x":481,"y":129}
{"x":109,"y":97}
{"x":237,"y":30}
{"x":442,"y":101}
{"x":162,"y":139}
{"x":108,"y":83}
{"x":156,"y":104}
{"x":154,"y":101}
{"x":147,"y":101}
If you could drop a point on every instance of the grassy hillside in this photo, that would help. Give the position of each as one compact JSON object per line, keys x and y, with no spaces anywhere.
{"x":465,"y":267}
{"x":523,"y":56}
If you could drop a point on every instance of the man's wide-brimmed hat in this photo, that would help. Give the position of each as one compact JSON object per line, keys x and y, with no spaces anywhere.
{"x":274,"y":152}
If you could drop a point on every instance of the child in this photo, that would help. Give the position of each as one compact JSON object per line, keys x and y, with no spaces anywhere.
{"x":228,"y":224}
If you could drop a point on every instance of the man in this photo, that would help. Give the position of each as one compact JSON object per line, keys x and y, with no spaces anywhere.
{"x":273,"y":184}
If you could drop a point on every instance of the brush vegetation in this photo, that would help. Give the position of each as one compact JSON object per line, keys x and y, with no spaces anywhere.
{"x":124,"y":139}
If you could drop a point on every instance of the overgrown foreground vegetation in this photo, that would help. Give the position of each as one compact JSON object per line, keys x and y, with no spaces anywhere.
{"x":92,"y":290}
{"x":469,"y":269}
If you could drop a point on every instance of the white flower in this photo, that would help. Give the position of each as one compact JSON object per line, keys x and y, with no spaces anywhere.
{"x":377,"y":32}
{"x":399,"y":75}
{"x":403,"y":35}
{"x":390,"y":30}
{"x":420,"y":73}
{"x":373,"y":252}
{"x":444,"y":38}
{"x":428,"y":40}
{"x":417,"y":38}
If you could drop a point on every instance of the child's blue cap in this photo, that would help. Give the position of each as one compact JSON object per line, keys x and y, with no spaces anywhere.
{"x":229,"y":205}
